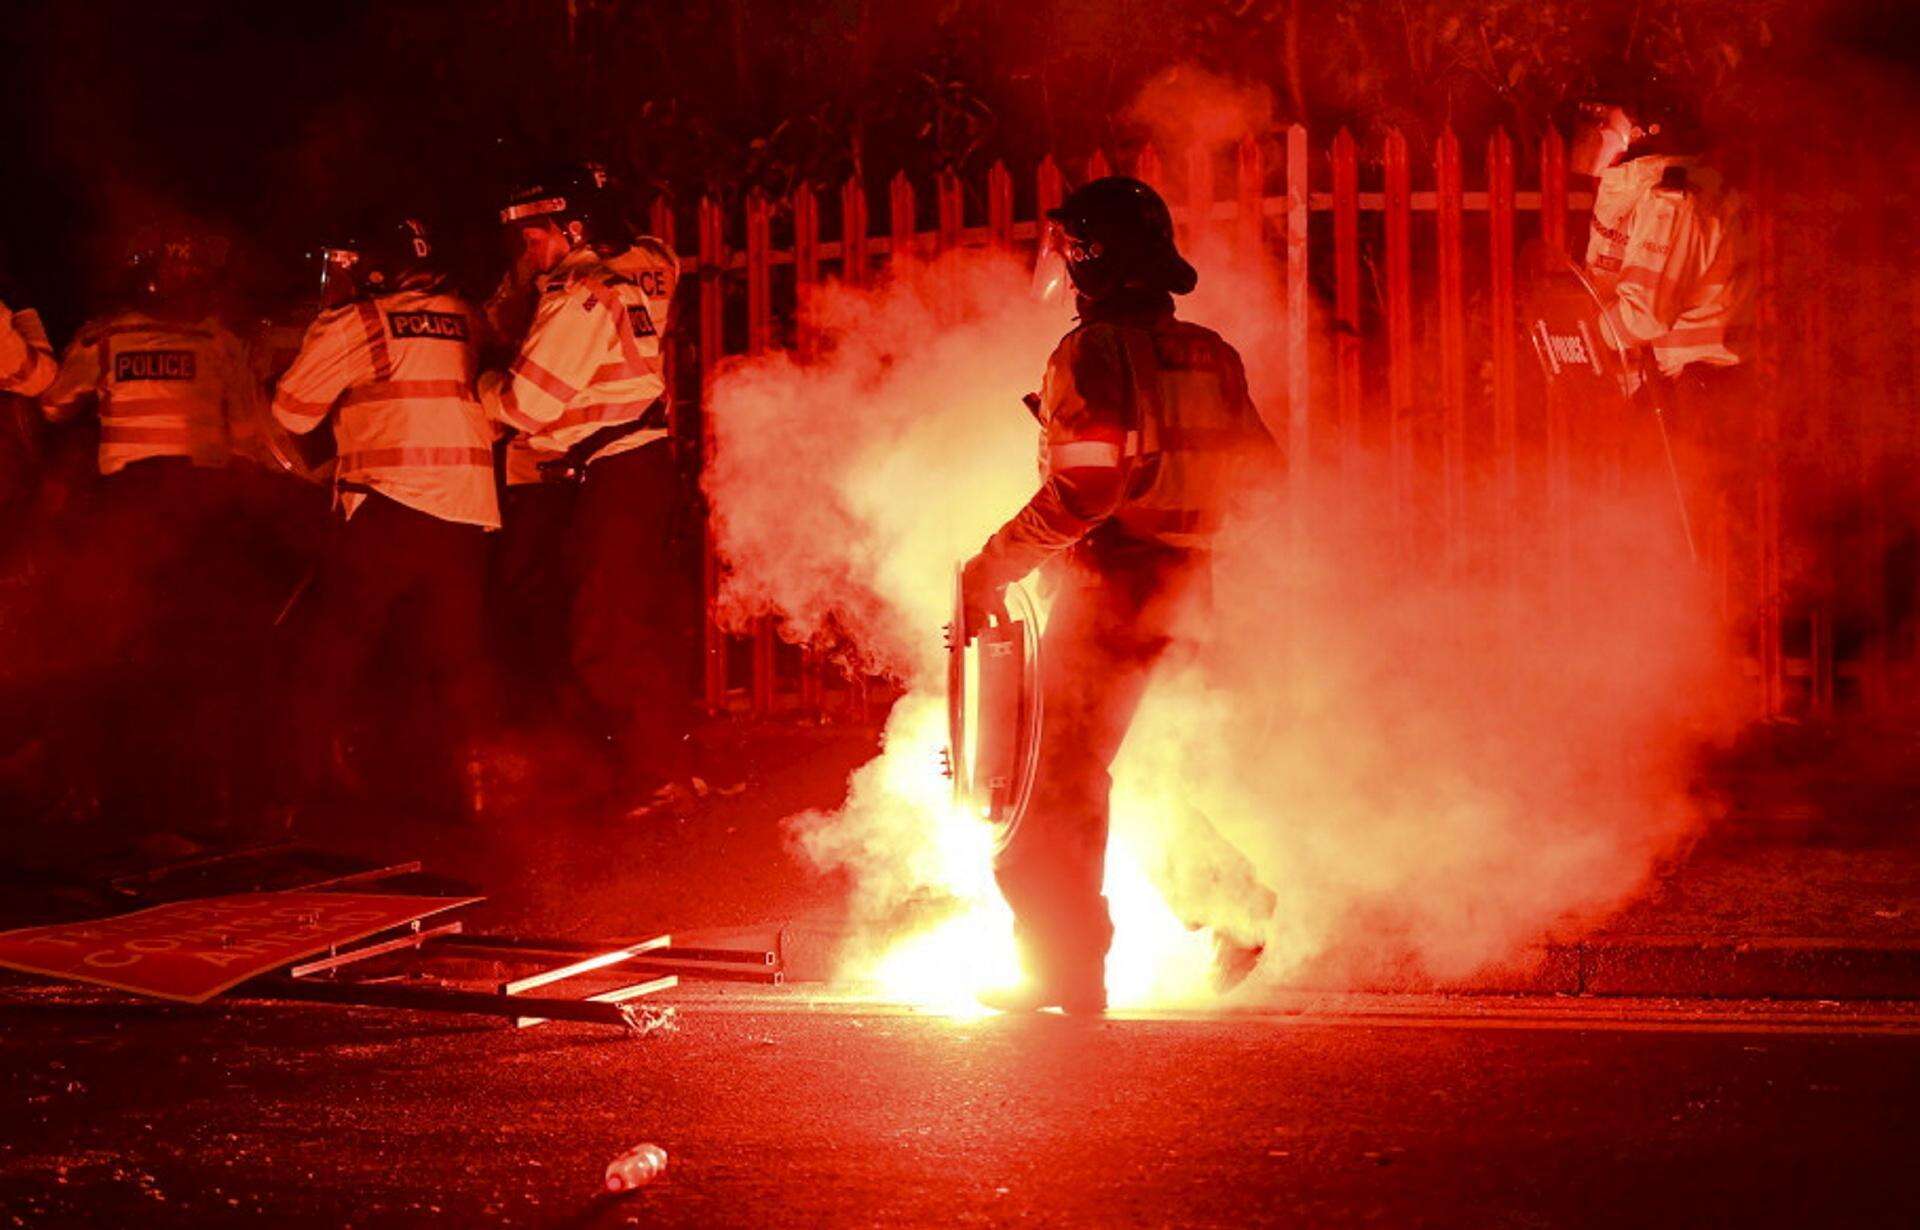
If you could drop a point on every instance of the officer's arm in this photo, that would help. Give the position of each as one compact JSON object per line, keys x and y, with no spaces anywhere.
{"x":26,"y":357}
{"x":79,"y":379}
{"x":1245,"y":415}
{"x":570,"y":335}
{"x":332,"y":359}
{"x":1661,"y":242}
{"x":1086,"y":458}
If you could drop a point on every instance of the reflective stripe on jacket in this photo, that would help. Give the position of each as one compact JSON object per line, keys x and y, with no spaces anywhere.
{"x":1146,"y":425}
{"x":165,"y":388}
{"x":1669,"y":247}
{"x":395,"y":373}
{"x":591,"y":358}
{"x":27,"y":366}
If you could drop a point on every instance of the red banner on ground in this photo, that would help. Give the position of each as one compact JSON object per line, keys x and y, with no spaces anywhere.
{"x":193,"y":950}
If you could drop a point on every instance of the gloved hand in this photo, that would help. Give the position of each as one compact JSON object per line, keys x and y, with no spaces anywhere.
{"x":983,"y":598}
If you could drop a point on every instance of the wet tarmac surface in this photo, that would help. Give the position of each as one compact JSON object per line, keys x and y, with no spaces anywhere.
{"x":783,"y":1109}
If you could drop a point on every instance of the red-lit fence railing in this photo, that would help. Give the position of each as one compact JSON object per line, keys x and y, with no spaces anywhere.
{"x":1418,"y":275}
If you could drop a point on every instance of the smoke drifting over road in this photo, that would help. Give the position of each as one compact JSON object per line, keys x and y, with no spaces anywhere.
{"x":1382,"y":758}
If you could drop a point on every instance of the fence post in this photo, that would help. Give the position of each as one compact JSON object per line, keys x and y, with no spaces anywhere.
{"x":1876,"y":440}
{"x":1453,"y":358}
{"x":806,"y":281}
{"x":759,"y":273}
{"x":1559,"y":478}
{"x":759,"y":340}
{"x":853,"y":232}
{"x":1501,"y":322}
{"x":900,"y":202}
{"x":806,"y":268}
{"x":1553,"y":192}
{"x":1000,"y":205}
{"x":1400,"y":356}
{"x":712,"y":255}
{"x":660,"y":226}
{"x":1250,"y":197}
{"x":1299,"y":326}
{"x":1147,"y":168}
{"x":1097,"y":166}
{"x":952,"y":207}
{"x":1767,"y":520}
{"x":1199,"y":192}
{"x":1815,"y":339}
{"x":1050,"y":186}
{"x":1346,"y":296}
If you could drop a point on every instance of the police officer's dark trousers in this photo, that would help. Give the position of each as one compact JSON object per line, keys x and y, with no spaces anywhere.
{"x":530,"y":594}
{"x":1109,"y":625}
{"x":633,"y":631}
{"x":395,"y":570}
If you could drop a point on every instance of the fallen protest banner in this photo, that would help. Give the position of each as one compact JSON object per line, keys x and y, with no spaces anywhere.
{"x":193,"y":950}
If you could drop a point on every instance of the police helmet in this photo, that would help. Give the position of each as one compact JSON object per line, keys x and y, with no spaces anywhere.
{"x":167,"y":262}
{"x":1651,"y":99}
{"x":372,"y":258}
{"x":1119,"y":234}
{"x":577,"y":193}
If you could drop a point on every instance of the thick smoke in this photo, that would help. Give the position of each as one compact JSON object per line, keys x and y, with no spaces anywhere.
{"x":1382,"y":758}
{"x":846,"y":489}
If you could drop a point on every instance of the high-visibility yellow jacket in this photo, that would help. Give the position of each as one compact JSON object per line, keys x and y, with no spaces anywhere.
{"x":166,"y":388}
{"x":1146,"y":425}
{"x":395,"y":373}
{"x":1669,"y":247}
{"x":592,"y":356}
{"x":26,"y":357}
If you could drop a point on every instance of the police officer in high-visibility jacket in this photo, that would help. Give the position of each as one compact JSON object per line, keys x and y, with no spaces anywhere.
{"x":586,"y":393}
{"x":532,"y":585}
{"x":172,"y":385}
{"x":1670,"y":253}
{"x":165,"y":587}
{"x":1668,"y":246}
{"x":1148,"y":430}
{"x":389,"y":364}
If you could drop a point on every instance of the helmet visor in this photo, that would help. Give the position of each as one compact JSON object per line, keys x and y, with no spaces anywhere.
{"x":337,"y":283}
{"x":1050,"y":264}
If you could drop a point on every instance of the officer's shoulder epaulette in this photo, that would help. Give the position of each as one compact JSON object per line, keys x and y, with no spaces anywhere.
{"x":113,"y":322}
{"x":1674,"y":181}
{"x":657,"y":248}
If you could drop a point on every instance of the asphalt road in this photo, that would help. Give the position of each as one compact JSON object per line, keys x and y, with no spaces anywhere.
{"x":793,"y":1112}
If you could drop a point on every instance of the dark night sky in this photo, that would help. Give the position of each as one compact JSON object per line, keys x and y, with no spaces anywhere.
{"x":267,"y":120}
{"x":274,"y":119}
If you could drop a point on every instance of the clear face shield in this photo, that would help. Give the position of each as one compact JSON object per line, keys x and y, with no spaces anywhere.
{"x":337,"y":282}
{"x":533,"y":245}
{"x":1050,"y":281}
{"x":1057,"y":253}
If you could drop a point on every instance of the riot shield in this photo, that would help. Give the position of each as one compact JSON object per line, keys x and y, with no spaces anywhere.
{"x":1586,"y":368}
{"x":994,"y":712}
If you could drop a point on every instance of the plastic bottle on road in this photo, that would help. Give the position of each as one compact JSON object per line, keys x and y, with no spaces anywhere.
{"x":637,"y":1167}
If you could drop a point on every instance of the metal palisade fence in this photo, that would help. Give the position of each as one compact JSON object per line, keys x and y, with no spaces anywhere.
{"x":1403,"y":277}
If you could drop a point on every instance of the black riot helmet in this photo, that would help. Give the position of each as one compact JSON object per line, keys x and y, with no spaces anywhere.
{"x":1646,"y":110}
{"x":576,"y":198}
{"x":374,"y":258}
{"x":173,"y":266}
{"x":1119,"y":235}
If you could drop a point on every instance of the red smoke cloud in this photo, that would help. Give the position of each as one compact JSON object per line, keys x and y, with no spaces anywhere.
{"x":1376,"y":758}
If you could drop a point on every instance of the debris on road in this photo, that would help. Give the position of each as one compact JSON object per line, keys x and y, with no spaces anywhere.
{"x":637,"y":1167}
